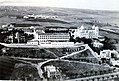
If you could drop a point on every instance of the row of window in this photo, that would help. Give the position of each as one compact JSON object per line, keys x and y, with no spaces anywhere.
{"x":89,"y":35}
{"x":56,"y":37}
{"x":53,"y":37}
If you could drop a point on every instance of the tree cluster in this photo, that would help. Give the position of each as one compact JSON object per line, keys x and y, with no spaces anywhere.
{"x":108,"y":44}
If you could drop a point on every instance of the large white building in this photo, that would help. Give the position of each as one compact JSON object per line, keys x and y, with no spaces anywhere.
{"x":53,"y":37}
{"x":43,"y":37}
{"x":92,"y":32}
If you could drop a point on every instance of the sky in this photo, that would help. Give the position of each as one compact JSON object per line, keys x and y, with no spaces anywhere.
{"x":81,"y":4}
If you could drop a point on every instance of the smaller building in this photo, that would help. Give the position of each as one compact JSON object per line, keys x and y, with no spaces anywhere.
{"x":109,"y":54}
{"x":51,"y":71}
{"x":33,"y":42}
{"x":97,"y":44}
{"x":9,"y":27}
{"x":33,"y":32}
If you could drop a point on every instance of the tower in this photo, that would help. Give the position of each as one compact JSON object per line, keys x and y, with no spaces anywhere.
{"x":93,"y":27}
{"x":34,"y":32}
{"x":81,"y":28}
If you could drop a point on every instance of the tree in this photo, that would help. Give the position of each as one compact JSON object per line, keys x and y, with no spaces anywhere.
{"x":86,"y":40}
{"x":72,"y":39}
{"x":77,"y":39}
{"x":108,"y":44}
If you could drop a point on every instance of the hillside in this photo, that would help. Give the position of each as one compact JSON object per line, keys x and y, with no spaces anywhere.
{"x":79,"y":64}
{"x":75,"y":16}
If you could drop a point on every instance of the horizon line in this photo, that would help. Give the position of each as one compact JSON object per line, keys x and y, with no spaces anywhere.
{"x":62,"y":7}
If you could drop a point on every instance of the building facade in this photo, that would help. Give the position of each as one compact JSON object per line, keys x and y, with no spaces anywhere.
{"x":53,"y":37}
{"x":51,"y":71}
{"x":97,"y":44}
{"x":92,"y":32}
{"x":43,"y":37}
{"x":109,"y":54}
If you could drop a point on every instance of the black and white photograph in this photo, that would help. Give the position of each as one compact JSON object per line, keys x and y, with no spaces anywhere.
{"x":59,"y":40}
